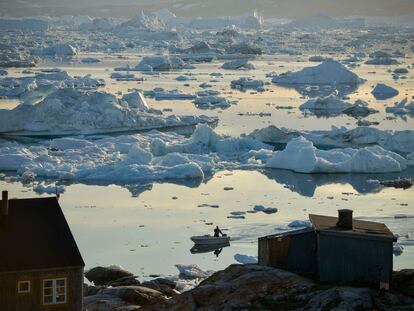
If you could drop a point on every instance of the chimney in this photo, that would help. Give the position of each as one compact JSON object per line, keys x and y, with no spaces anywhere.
{"x":345,"y":219}
{"x":5,"y":202}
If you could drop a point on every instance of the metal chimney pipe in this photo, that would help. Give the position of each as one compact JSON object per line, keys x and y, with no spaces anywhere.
{"x":5,"y":202}
{"x":345,"y":218}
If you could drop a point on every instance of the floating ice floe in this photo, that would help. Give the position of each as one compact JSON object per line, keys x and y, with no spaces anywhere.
{"x":90,"y":60}
{"x":401,"y":108}
{"x":266,"y":210}
{"x":398,"y":141}
{"x":332,"y":105}
{"x":330,"y":102}
{"x":65,"y":50}
{"x":245,"y":259}
{"x":329,"y":72}
{"x":34,"y":89}
{"x":246,"y":83}
{"x":381,"y":58}
{"x":238,"y":64}
{"x":72,"y":112}
{"x":301,"y":156}
{"x":382,"y":91}
{"x":162,"y":63}
{"x":211,"y":102}
{"x":299,"y":224}
{"x":10,"y":56}
{"x":133,"y":158}
{"x":172,"y":95}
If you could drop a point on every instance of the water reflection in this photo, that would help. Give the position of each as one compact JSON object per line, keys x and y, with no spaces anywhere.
{"x":205,"y":248}
{"x":303,"y":184}
{"x":306,"y":184}
{"x":316,"y":90}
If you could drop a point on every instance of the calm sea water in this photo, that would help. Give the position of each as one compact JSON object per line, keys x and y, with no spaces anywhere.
{"x":146,"y":228}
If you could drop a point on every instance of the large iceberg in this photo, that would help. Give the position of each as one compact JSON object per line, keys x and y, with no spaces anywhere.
{"x":300,"y":155}
{"x":397,"y":141}
{"x":69,"y":112}
{"x":329,"y":72}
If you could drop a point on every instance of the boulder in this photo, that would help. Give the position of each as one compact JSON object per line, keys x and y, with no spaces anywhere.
{"x":241,"y":287}
{"x":103,"y":275}
{"x":138,"y":295}
{"x":403,"y":281}
{"x":165,"y":286}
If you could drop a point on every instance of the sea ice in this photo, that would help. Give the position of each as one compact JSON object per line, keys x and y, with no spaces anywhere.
{"x":69,"y":111}
{"x":329,"y":72}
{"x":301,"y":156}
{"x":245,"y":259}
{"x":238,"y":64}
{"x":382,"y":91}
{"x":330,"y":102}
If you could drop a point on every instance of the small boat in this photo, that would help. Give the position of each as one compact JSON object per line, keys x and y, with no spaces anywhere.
{"x":211,"y":240}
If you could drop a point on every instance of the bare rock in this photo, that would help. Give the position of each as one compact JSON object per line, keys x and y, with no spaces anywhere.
{"x":167,"y":287}
{"x":403,"y":281}
{"x":103,"y":275}
{"x":242,"y":287}
{"x":137,"y":295}
{"x":125,"y":281}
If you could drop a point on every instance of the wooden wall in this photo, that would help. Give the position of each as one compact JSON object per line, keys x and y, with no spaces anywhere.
{"x":10,"y":300}
{"x":294,"y":251}
{"x":354,"y":260}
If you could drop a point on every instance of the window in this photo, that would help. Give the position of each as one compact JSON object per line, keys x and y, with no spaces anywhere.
{"x":23,"y":287}
{"x":54,"y":291}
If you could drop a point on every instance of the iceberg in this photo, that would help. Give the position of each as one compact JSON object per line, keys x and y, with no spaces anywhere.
{"x":72,"y":112}
{"x":162,"y":63}
{"x":238,"y":64}
{"x":329,"y":72}
{"x":330,"y":102}
{"x":397,"y":141}
{"x":401,"y":108}
{"x":382,"y":91}
{"x":65,"y":50}
{"x":301,"y":156}
{"x":211,"y":102}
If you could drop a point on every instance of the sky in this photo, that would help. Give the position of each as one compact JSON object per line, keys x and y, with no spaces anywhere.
{"x":208,"y":8}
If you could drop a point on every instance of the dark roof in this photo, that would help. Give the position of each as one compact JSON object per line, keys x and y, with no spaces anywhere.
{"x":35,"y":235}
{"x":365,"y":228}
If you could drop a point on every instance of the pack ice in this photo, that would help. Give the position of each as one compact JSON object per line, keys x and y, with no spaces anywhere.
{"x":301,"y":156}
{"x":341,"y":137}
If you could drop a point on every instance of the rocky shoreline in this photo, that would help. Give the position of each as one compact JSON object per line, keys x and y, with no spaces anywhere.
{"x":241,"y":287}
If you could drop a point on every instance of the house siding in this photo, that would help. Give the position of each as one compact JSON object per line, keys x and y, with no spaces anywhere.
{"x":354,"y":260}
{"x":11,"y":300}
{"x":295,"y":252}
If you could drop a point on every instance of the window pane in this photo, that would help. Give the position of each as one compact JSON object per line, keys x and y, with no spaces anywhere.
{"x":60,"y":290}
{"x":47,"y":299}
{"x":60,"y":282}
{"x":23,"y":286}
{"x":60,"y":298}
{"x":48,"y":283}
{"x":47,"y":291}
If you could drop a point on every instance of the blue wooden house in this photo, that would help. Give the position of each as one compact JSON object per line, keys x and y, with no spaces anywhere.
{"x":335,"y":250}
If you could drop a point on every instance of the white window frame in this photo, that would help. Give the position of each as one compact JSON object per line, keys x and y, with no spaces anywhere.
{"x":24,"y":291}
{"x":54,"y":291}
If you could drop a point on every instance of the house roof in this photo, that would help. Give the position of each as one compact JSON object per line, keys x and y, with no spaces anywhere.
{"x":35,"y":235}
{"x":359,"y":227}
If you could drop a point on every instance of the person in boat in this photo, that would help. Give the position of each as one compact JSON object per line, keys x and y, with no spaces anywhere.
{"x":217,"y":232}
